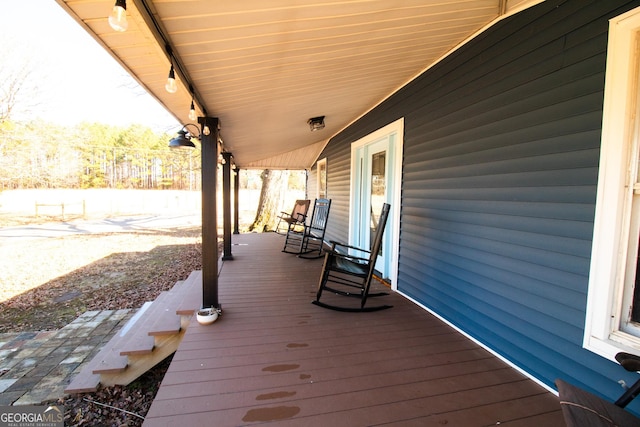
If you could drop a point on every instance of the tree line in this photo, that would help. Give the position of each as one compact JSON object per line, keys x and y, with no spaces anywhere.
{"x":93,"y":155}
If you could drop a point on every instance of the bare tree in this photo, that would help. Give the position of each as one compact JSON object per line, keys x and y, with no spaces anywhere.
{"x":19,"y":91}
{"x":12,"y":83}
{"x":272,"y":193}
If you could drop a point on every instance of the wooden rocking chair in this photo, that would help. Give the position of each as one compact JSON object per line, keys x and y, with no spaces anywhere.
{"x":296,"y":218}
{"x":350,"y":271}
{"x":583,"y":409}
{"x":311,"y":238}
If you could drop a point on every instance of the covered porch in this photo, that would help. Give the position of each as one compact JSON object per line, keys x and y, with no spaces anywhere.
{"x":275,"y":357}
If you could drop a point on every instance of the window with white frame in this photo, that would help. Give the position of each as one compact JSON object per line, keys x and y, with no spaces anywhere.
{"x":613,"y":303}
{"x":322,"y":178}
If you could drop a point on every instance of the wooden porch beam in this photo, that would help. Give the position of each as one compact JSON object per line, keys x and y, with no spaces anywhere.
{"x":209,"y":212}
{"x":226,"y":206}
{"x":236,"y":202}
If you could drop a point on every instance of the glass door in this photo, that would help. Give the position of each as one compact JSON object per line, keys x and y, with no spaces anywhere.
{"x":373,"y":177}
{"x":376,"y":177}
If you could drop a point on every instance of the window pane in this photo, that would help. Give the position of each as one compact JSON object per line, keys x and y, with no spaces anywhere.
{"x":378,"y":190}
{"x":635,"y":309}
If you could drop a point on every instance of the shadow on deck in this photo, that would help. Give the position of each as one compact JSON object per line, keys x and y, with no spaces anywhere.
{"x":273,"y":357}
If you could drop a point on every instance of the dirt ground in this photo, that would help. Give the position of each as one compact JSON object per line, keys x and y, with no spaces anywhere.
{"x":47,"y":283}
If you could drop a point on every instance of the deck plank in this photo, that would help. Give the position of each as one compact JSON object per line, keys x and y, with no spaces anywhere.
{"x":273,"y":357}
{"x":192,"y":294}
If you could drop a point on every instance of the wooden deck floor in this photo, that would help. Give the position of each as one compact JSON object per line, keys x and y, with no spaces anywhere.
{"x":274,"y":358}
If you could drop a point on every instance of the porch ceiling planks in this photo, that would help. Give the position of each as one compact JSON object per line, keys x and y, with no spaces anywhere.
{"x":273,"y":356}
{"x":264,"y":69}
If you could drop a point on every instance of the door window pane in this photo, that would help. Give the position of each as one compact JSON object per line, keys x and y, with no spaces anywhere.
{"x":378,"y":191}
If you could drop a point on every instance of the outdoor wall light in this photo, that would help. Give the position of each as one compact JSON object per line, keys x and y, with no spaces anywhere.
{"x":183,"y":139}
{"x":171,"y":85}
{"x":316,"y":123}
{"x":118,"y":17}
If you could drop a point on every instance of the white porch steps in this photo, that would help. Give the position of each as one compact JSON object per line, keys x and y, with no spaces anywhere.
{"x":148,"y":338}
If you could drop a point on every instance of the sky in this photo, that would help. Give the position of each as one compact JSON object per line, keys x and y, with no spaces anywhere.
{"x":71,"y":77}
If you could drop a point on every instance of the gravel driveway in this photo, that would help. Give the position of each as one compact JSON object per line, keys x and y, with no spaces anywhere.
{"x":9,"y":235}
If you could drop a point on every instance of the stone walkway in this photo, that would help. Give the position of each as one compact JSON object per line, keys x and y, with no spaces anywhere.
{"x":35,"y":367}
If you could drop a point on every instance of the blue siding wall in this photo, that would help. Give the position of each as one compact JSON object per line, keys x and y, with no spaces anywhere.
{"x":501,"y":151}
{"x":338,"y":190}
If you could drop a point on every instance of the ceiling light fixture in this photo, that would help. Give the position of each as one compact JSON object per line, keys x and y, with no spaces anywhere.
{"x":118,"y":16}
{"x":316,"y":123}
{"x":171,"y":86}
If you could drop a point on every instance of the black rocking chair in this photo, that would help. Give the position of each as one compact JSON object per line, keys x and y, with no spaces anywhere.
{"x":583,"y":409}
{"x":296,"y":218}
{"x":311,"y":238}
{"x":350,"y":271}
